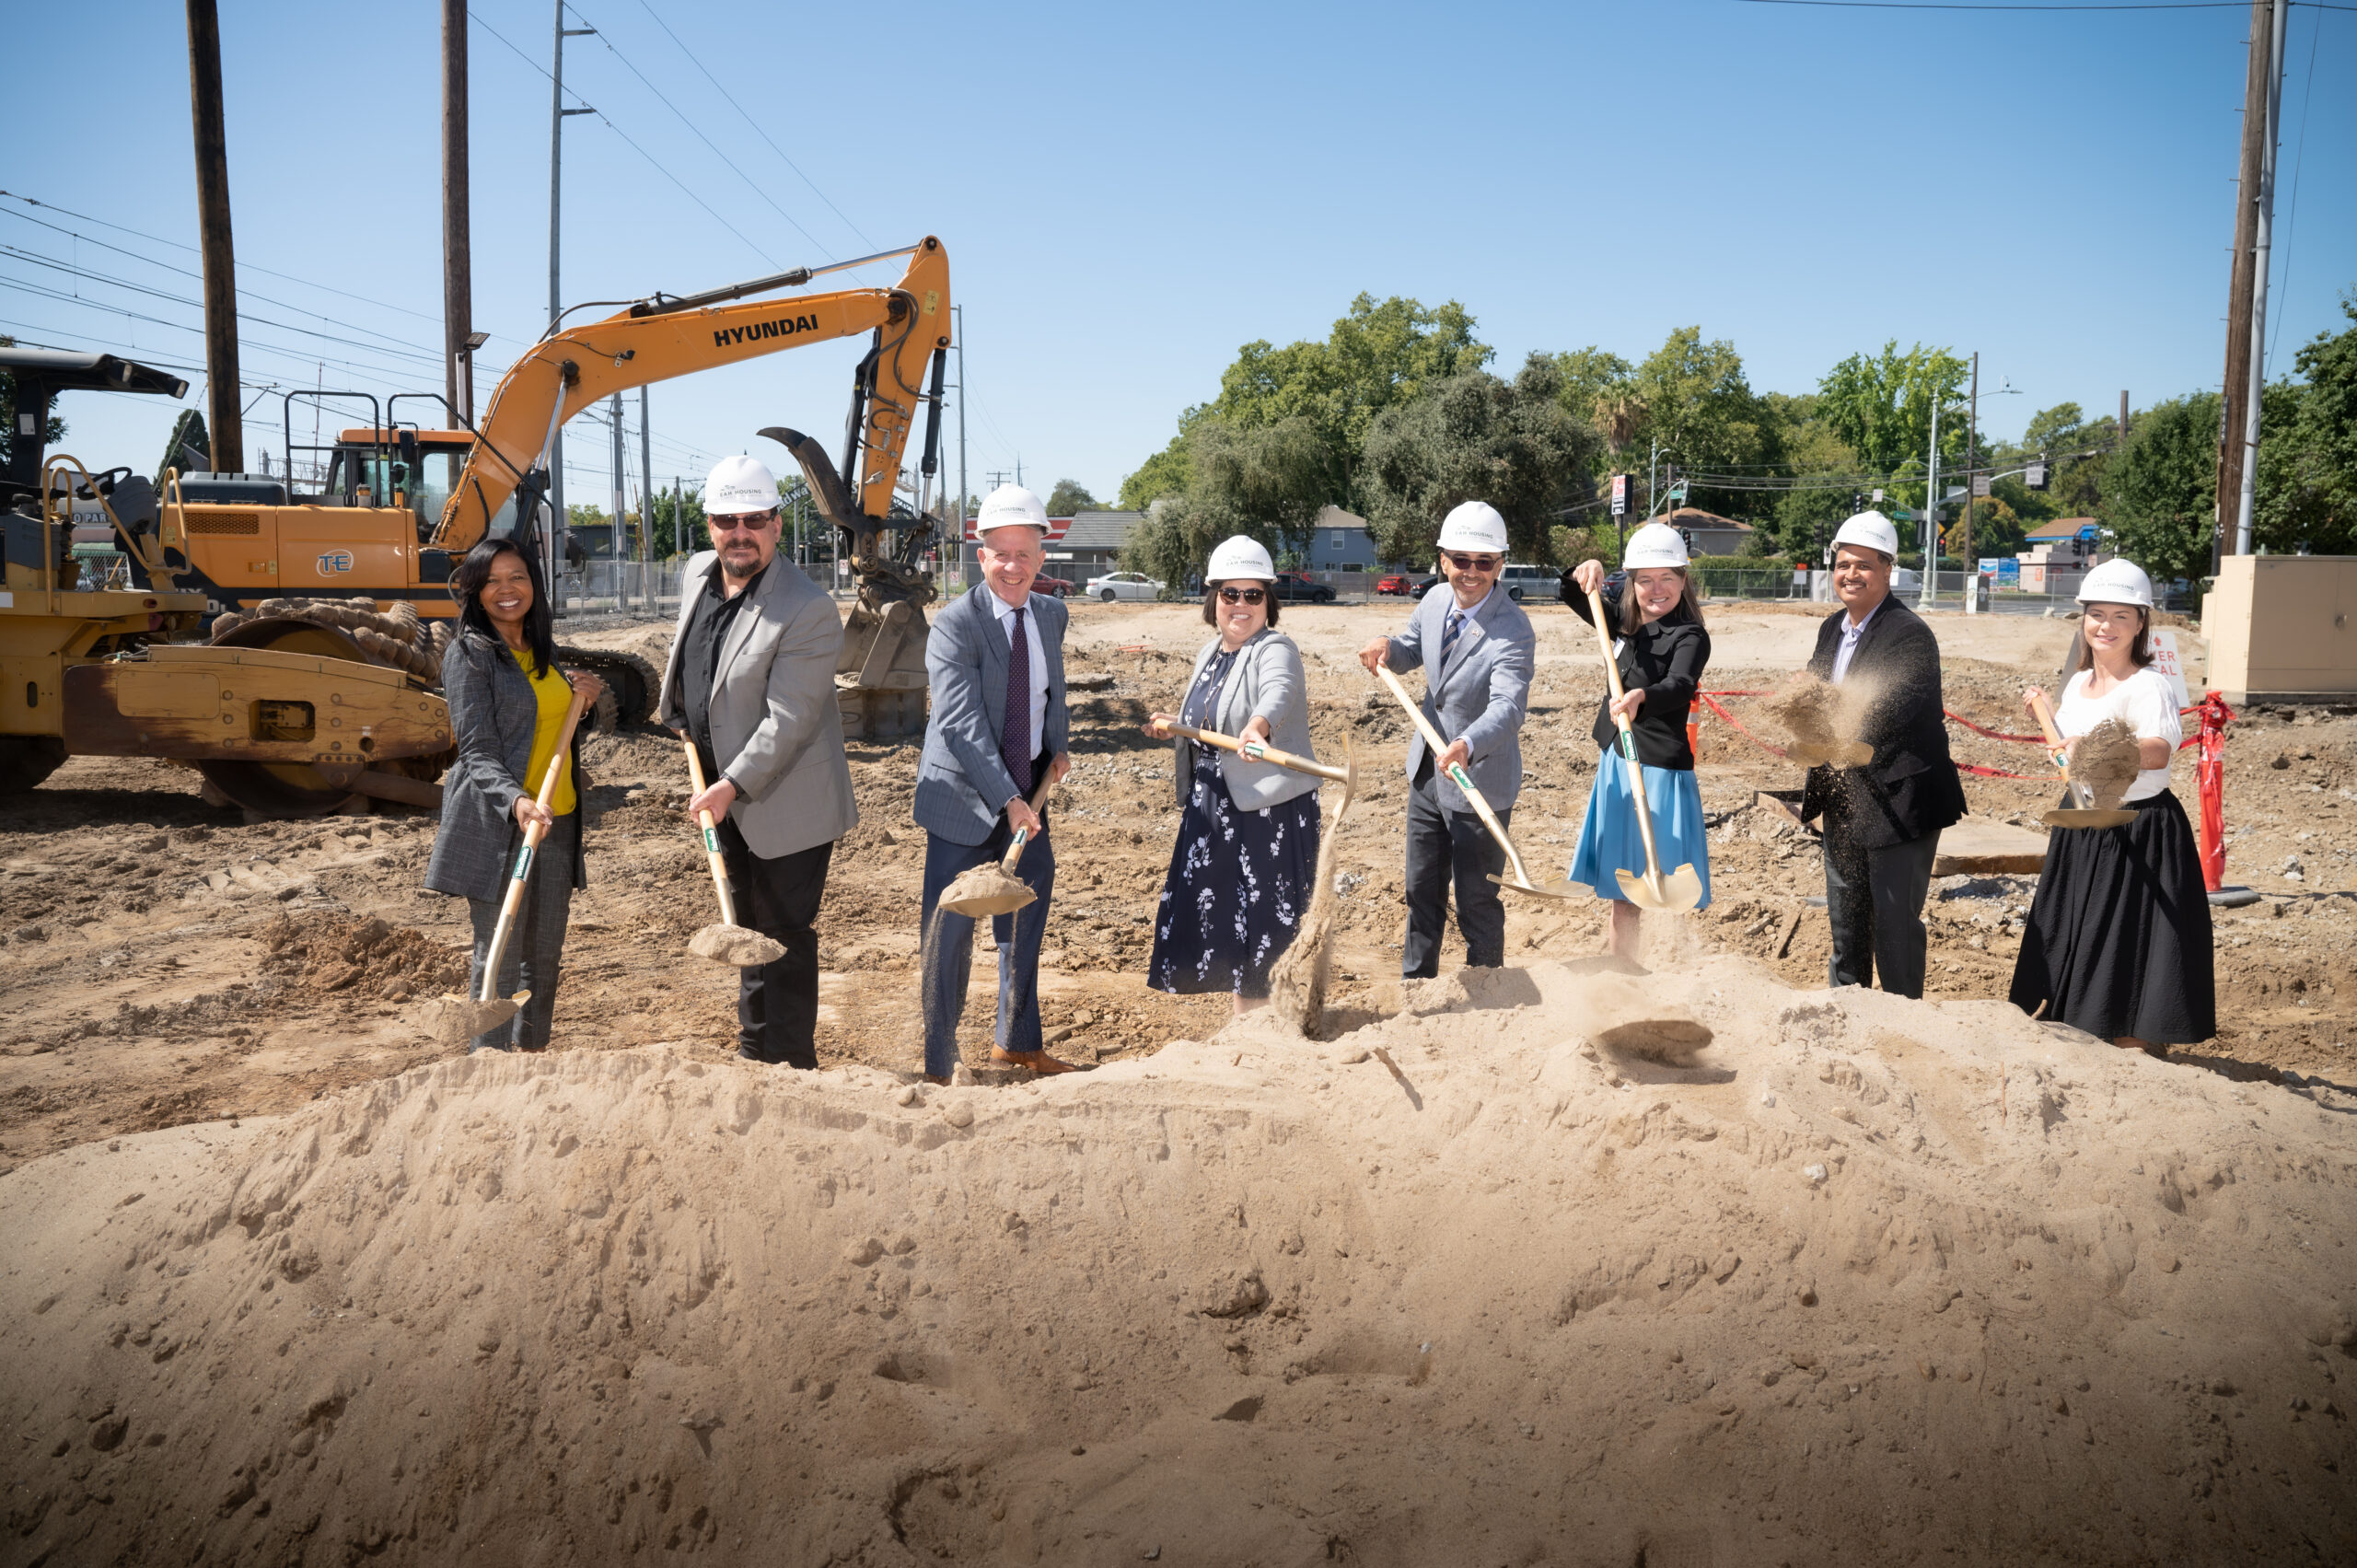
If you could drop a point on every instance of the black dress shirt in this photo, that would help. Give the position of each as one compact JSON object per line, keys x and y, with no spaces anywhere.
{"x":715,"y":610}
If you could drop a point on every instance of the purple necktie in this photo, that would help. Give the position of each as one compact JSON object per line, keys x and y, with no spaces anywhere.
{"x":1014,"y":742}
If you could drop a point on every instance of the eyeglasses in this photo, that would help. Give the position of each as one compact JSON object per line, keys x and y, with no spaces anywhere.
{"x":1474,"y":563}
{"x":752,"y":523}
{"x":1243,"y":595}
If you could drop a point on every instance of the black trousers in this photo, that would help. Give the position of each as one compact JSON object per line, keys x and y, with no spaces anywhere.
{"x":1874,"y":899}
{"x":1445,"y":849}
{"x":777,"y":1005}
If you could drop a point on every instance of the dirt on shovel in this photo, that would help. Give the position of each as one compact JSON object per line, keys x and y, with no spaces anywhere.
{"x":453,"y":1022}
{"x":2105,"y":763}
{"x":738,"y":945}
{"x":1823,"y":721}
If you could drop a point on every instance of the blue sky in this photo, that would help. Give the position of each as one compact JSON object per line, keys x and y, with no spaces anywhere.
{"x":1130,"y":192}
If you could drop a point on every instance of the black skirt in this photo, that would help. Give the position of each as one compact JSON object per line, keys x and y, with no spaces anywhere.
{"x":2119,"y":935}
{"x":1239,"y":884}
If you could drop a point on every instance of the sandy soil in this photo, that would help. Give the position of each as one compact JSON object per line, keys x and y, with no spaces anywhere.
{"x":171,"y":970}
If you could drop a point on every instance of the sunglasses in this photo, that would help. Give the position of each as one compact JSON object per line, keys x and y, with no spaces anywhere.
{"x":1474,"y":563}
{"x":753,"y":524}
{"x":1244,"y":596}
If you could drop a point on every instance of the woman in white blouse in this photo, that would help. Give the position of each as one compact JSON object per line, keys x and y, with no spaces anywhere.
{"x":2118,"y":936}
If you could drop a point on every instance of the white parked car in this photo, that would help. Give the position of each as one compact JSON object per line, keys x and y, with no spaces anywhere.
{"x":1122,"y":585}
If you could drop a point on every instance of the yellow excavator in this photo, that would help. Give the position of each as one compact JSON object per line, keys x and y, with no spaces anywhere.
{"x":97,"y":663}
{"x":400,"y":504}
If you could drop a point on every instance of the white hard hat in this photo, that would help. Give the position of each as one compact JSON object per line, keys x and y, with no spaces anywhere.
{"x":1656,"y":544}
{"x":1474,"y":525}
{"x":2118,"y":581}
{"x":1008,"y":507}
{"x":1869,"y":528}
{"x":737,"y":486}
{"x":1240,"y":557}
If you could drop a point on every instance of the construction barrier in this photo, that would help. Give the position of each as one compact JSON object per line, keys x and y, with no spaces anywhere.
{"x":2211,"y":777}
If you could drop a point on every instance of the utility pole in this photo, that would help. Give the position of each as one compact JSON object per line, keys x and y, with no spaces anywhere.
{"x":1930,"y":532}
{"x":2240,"y":289}
{"x":646,"y":498}
{"x":970,"y":567}
{"x":458,"y":289}
{"x":224,"y":416}
{"x":1971,"y":490}
{"x":557,"y":112}
{"x":620,"y":552}
{"x":2248,"y":493}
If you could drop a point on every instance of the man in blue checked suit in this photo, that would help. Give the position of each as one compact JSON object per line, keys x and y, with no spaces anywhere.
{"x":999,"y":729}
{"x":1476,"y":647}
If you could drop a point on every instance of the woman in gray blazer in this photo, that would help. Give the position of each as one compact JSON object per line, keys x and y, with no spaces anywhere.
{"x":507,"y":702}
{"x":1246,"y":855}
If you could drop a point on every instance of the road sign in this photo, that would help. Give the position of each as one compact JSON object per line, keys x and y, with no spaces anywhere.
{"x":1981,"y":484}
{"x":1619,"y":494}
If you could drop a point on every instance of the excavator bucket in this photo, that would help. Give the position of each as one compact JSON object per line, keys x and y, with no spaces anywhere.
{"x":880,"y":679}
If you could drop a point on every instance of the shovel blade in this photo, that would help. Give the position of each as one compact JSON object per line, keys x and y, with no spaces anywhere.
{"x":2086,"y":817}
{"x":1542,"y":890}
{"x":1678,"y":891}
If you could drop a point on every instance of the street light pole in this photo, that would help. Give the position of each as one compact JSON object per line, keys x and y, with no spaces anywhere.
{"x":1930,"y":533}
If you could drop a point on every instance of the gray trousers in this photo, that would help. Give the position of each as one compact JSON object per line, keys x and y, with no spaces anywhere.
{"x":1875,"y":900}
{"x":1445,"y":849}
{"x":533,"y":944}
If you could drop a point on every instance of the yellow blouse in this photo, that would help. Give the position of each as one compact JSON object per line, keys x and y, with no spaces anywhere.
{"x":555,"y":696}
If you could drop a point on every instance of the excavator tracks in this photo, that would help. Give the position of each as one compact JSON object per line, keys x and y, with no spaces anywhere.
{"x":632,"y":684}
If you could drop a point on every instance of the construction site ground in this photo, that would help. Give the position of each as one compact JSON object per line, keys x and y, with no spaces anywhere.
{"x":167,"y":962}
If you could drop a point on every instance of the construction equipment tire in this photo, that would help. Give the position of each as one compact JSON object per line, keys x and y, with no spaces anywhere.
{"x":632,"y":684}
{"x":25,"y":760}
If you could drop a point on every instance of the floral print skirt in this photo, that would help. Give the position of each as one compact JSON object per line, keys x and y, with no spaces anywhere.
{"x":1239,"y":883}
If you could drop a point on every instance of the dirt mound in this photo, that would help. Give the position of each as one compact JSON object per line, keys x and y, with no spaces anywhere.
{"x":363,"y":957}
{"x":2105,"y":763}
{"x":1876,"y":1278}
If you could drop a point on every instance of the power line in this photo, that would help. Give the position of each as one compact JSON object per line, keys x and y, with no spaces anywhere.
{"x":243,"y":264}
{"x":748,"y":119}
{"x":2307,"y":97}
{"x":707,"y":140}
{"x":1949,"y":6}
{"x":606,"y":121}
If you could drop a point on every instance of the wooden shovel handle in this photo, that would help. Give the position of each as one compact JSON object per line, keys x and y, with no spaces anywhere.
{"x":1628,"y":744}
{"x":1260,"y":751}
{"x":532,"y":837}
{"x":1022,"y":836}
{"x":711,"y":834}
{"x":1458,"y":775}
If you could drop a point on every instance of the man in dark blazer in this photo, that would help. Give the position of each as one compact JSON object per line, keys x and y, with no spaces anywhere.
{"x":999,"y":729}
{"x":1882,"y":821}
{"x":751,"y":681}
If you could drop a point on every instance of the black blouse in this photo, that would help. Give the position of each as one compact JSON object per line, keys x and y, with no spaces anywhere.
{"x":1663,"y":658}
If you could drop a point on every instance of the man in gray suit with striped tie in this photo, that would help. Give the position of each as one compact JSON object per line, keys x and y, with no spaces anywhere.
{"x":1477,"y":648}
{"x":999,"y":728}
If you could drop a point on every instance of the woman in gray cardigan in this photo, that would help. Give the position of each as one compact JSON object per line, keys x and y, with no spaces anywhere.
{"x":1240,"y":875}
{"x":507,"y":702}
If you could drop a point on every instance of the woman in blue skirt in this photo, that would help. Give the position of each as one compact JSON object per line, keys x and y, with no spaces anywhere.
{"x":1240,"y":874}
{"x":1662,"y":651}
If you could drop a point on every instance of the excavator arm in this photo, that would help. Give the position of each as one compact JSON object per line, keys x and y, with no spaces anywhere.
{"x":657,"y":339}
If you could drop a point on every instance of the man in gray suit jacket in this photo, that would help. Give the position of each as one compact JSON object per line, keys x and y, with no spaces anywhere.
{"x":752,"y":680}
{"x":1477,"y":648}
{"x":999,"y":728}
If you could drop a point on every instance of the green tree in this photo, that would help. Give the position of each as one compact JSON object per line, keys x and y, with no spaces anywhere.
{"x":2307,"y":486}
{"x":1266,"y":481}
{"x":1698,"y":405}
{"x":1068,"y":498}
{"x":1880,"y":407}
{"x":669,"y":510}
{"x":1376,"y":357}
{"x":2159,"y":494}
{"x":187,"y":447}
{"x":1599,"y":388}
{"x":1475,"y":437}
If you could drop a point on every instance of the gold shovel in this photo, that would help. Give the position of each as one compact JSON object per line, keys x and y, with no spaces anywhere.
{"x":2085,"y":815}
{"x":727,"y":943}
{"x":1464,"y":781}
{"x":1682,"y":889}
{"x":992,"y":886}
{"x":458,"y":1019}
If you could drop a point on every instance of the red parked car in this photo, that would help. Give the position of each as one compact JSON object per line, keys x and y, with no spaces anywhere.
{"x":1396,"y":583}
{"x":1055,"y":588}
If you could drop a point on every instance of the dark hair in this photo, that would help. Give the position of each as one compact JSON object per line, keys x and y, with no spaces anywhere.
{"x":466,"y":587}
{"x":1210,"y":601}
{"x":1688,"y":608}
{"x":2140,"y":652}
